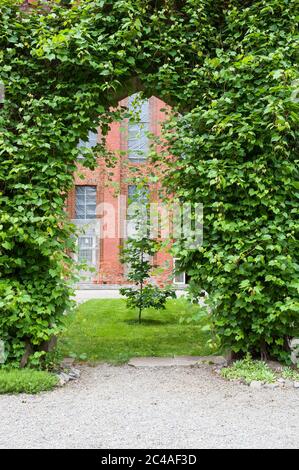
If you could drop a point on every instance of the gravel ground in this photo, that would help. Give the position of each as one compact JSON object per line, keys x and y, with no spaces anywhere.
{"x":124,"y":407}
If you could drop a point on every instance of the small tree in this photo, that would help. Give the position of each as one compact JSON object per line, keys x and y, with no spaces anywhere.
{"x":143,"y":295}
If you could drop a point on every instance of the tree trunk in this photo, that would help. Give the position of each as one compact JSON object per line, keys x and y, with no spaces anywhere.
{"x":28,"y":351}
{"x":263,"y":349}
{"x":46,"y":346}
{"x":140,"y":307}
{"x":49,"y":345}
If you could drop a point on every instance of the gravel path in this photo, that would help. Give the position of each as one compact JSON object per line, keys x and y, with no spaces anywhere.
{"x":124,"y":407}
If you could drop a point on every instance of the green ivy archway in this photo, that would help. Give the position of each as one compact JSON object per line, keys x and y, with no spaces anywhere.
{"x":231,"y":65}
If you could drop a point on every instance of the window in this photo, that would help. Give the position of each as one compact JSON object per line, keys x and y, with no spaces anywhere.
{"x":85,"y":250}
{"x":87,"y":253}
{"x":179,"y":277}
{"x":138,"y":199}
{"x":140,"y":195}
{"x":86,"y":202}
{"x":91,"y":142}
{"x":132,"y":189}
{"x":138,"y":210}
{"x":138,"y":142}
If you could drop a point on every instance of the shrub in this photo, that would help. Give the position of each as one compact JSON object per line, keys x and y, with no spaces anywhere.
{"x":26,"y":381}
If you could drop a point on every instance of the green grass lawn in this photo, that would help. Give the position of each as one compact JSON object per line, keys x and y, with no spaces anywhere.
{"x":104,"y":330}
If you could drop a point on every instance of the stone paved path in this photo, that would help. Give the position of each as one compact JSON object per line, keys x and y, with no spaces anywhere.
{"x":82,"y":295}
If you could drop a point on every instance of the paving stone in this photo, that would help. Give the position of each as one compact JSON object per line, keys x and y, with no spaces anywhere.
{"x":217,"y":360}
{"x":63,"y":378}
{"x":74,"y":374}
{"x":179,"y":361}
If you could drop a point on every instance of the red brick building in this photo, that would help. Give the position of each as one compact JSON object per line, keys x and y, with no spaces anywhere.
{"x":99,"y":200}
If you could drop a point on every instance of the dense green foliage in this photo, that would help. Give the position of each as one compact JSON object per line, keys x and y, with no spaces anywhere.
{"x":105,"y":330}
{"x":229,"y":65}
{"x":237,"y":153}
{"x":26,"y":381}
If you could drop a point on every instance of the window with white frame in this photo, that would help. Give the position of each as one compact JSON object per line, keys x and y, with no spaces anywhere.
{"x":86,"y":250}
{"x":87,"y":253}
{"x":179,"y":276}
{"x":86,"y":202}
{"x":138,"y":141}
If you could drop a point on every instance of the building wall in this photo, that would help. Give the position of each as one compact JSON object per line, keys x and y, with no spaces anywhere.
{"x":110,"y":182}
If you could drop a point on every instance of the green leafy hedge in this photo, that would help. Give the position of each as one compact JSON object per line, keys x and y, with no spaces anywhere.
{"x":229,"y":67}
{"x":63,"y":66}
{"x":240,"y":159}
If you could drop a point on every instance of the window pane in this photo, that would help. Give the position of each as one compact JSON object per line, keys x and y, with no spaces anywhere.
{"x":138,"y":194}
{"x":90,"y":215}
{"x":138,"y":142}
{"x":80,"y":190}
{"x":180,"y":278}
{"x":90,"y":190}
{"x":90,"y":142}
{"x":138,"y":199}
{"x":85,"y":202}
{"x":85,"y":242}
{"x":85,"y":255}
{"x":80,"y":212}
{"x":132,"y":190}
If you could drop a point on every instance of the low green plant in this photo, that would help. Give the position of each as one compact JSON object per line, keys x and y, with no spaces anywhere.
{"x":26,"y":381}
{"x":290,"y":374}
{"x":248,"y":370}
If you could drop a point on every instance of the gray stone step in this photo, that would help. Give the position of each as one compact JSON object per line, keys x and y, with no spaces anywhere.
{"x":178,"y":361}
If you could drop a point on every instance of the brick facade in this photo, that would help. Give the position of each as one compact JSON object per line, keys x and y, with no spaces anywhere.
{"x":109,"y":183}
